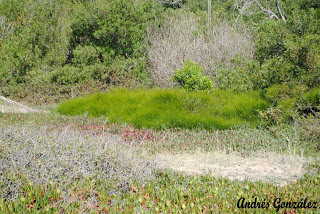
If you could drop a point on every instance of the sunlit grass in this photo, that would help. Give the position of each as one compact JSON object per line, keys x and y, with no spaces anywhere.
{"x":165,"y":108}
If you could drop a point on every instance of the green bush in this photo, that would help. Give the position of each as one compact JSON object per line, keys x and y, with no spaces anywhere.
{"x":166,"y":108}
{"x":280,"y":92}
{"x":105,"y":42}
{"x":240,"y":79}
{"x":85,"y":55}
{"x":191,"y":78}
{"x":72,"y":43}
{"x":117,"y":27}
{"x":286,"y":56}
{"x":309,"y":102}
{"x":313,"y":97}
{"x":290,"y":102}
{"x":67,"y":75}
{"x":309,"y":132}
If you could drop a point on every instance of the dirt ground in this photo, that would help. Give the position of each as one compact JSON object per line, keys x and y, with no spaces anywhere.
{"x":267,"y":167}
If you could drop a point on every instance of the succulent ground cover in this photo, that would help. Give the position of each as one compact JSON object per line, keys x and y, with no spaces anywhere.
{"x":53,"y":164}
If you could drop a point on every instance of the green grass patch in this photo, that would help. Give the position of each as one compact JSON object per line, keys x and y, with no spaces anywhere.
{"x":165,"y":108}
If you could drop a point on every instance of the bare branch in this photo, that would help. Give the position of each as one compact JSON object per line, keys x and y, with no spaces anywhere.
{"x":248,"y":8}
{"x":280,"y":13}
{"x":6,"y":27}
{"x":269,"y":12}
{"x":182,"y":38}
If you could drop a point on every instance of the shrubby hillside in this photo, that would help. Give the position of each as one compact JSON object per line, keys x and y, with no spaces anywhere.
{"x":59,"y":49}
{"x":160,"y":106}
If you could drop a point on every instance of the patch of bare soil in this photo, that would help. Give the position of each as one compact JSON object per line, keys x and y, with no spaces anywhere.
{"x":266,"y":167}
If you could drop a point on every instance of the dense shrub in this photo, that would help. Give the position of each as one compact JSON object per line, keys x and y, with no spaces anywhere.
{"x":313,"y":97}
{"x":62,"y":41}
{"x":191,"y":78}
{"x":86,"y":55}
{"x":309,"y":132}
{"x":117,"y":27}
{"x":245,"y":76}
{"x":130,"y":43}
{"x":291,"y":101}
{"x":285,"y":66}
{"x":160,"y":109}
{"x":287,"y":57}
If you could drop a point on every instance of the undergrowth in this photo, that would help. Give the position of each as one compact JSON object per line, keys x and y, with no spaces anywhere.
{"x":58,"y":164}
{"x":164,"y":108}
{"x":43,"y":155}
{"x":168,"y":192}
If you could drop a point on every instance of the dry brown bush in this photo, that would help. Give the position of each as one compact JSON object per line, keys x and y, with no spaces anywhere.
{"x":182,"y":38}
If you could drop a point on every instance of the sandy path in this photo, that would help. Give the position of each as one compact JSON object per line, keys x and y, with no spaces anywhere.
{"x":10,"y":106}
{"x":266,"y":167}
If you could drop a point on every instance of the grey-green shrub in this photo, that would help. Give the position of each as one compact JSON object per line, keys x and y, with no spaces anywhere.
{"x":44,"y":154}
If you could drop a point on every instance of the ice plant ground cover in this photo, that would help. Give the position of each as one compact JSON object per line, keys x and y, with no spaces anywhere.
{"x":53,"y":163}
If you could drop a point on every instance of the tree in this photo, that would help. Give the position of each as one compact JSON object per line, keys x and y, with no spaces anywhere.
{"x":256,"y":11}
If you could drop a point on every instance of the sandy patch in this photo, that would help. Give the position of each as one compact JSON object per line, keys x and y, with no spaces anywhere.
{"x":10,"y":106}
{"x":10,"y":109}
{"x":266,"y":167}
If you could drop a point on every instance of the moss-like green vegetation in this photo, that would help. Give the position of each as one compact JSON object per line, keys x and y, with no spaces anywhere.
{"x":164,"y":108}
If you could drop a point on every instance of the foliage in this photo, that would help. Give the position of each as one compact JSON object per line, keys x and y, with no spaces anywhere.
{"x":86,"y":55}
{"x":312,"y":97}
{"x":286,"y":64}
{"x":169,"y":192}
{"x":289,"y":102}
{"x":191,"y":78}
{"x":310,"y":132}
{"x":288,"y":58}
{"x":53,"y":37}
{"x":161,"y":109}
{"x":117,"y":28}
{"x":245,"y":76}
{"x":55,"y":50}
